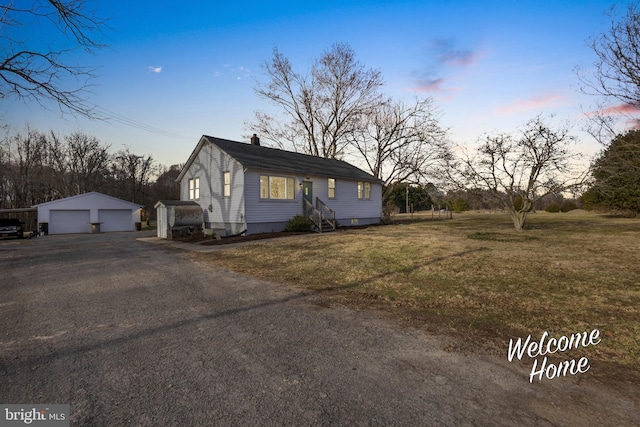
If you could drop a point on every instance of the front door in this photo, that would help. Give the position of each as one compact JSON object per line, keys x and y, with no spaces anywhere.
{"x":307,"y":191}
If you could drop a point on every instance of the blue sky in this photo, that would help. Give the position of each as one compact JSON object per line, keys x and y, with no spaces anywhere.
{"x":187,"y":69}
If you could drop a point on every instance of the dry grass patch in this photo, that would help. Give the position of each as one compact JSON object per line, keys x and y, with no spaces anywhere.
{"x":475,"y":276}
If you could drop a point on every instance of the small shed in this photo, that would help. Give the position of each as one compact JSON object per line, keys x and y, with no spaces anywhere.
{"x":88,"y":213}
{"x":178,"y":217}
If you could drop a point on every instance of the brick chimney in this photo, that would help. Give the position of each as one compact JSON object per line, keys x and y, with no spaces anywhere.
{"x":255,"y":140}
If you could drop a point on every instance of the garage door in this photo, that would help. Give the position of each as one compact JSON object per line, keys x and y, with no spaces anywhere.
{"x":72,"y":221}
{"x":115,"y":220}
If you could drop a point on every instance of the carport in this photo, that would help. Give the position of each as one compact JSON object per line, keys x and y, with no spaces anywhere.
{"x":88,"y":213}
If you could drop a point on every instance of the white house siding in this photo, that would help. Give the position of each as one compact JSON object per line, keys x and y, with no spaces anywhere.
{"x":220,"y":213}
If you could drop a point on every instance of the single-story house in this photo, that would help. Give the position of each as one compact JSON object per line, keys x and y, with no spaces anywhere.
{"x":88,"y":213}
{"x":250,"y":188}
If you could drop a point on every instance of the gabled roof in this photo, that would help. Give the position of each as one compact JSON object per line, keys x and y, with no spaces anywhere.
{"x":273,"y":159}
{"x":93,"y":194}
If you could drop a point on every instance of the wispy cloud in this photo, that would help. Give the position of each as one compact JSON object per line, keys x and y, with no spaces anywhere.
{"x":429,"y":85}
{"x":443,"y":58}
{"x":238,"y":73}
{"x":633,"y":124}
{"x":157,"y":69}
{"x":242,"y":72}
{"x":626,"y":110}
{"x":535,"y":103}
{"x":445,"y":52}
{"x":619,"y":109}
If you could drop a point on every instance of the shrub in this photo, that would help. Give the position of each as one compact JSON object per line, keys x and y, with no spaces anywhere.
{"x":552,"y":207}
{"x":568,"y":205}
{"x":299,"y":223}
{"x":460,"y":205}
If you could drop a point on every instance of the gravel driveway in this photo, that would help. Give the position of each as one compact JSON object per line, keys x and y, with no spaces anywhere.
{"x":130,"y":333}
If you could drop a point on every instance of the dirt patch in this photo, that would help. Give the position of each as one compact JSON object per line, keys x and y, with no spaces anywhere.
{"x":251,"y":237}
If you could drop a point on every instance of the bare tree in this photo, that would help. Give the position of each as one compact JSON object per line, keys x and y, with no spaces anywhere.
{"x":132,"y":174}
{"x":36,"y":167}
{"x":82,"y":162}
{"x":518,"y":171}
{"x":400,"y":142}
{"x":320,"y":108}
{"x":27,"y":72}
{"x":6,"y":183}
{"x":27,"y":152}
{"x":165,"y":187}
{"x":601,"y":123}
{"x":616,"y":70}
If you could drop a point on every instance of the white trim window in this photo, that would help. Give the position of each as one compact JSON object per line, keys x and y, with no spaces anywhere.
{"x":194,"y":188}
{"x":227,"y":184}
{"x":276,"y":187}
{"x":364,"y":190}
{"x":331,"y":188}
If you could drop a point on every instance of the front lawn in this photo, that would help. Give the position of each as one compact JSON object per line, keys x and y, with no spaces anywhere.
{"x":475,"y":277}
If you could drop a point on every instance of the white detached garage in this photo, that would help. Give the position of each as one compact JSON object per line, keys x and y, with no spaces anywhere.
{"x":88,"y":213}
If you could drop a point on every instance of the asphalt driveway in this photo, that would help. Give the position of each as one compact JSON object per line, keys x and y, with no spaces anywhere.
{"x":130,"y":333}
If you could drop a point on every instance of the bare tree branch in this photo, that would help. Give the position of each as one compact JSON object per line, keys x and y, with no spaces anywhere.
{"x":30,"y":74}
{"x":320,"y":108}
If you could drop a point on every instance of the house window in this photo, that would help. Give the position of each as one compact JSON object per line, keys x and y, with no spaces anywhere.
{"x":194,"y":188}
{"x":364,"y":190}
{"x":227,"y":184}
{"x":276,"y":188}
{"x":331,"y":188}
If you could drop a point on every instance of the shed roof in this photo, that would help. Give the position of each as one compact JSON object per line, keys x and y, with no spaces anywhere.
{"x":273,"y":159}
{"x":176,"y":203}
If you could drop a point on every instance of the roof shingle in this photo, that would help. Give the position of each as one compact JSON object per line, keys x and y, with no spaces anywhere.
{"x":273,"y":159}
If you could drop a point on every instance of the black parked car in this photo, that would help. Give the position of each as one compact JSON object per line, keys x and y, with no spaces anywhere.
{"x":11,"y":227}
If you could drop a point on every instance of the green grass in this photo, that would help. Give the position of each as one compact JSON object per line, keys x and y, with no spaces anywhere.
{"x":475,"y":276}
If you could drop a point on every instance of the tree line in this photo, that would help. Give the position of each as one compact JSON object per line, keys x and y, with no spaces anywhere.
{"x":37,"y":167}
